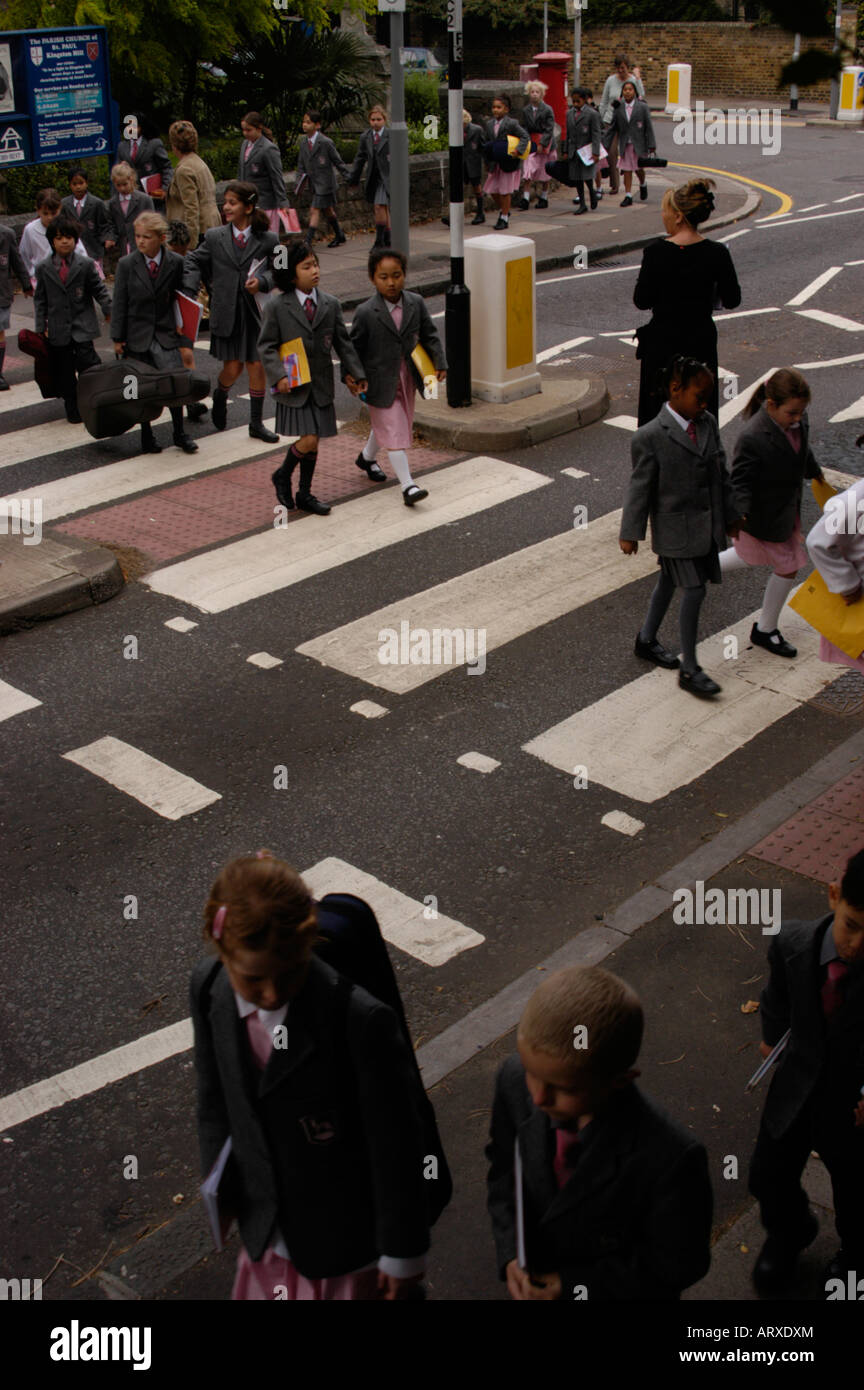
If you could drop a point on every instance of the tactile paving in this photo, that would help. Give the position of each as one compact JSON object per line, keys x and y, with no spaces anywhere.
{"x":819,"y":838}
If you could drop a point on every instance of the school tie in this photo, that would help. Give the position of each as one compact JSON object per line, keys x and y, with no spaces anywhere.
{"x":124,"y":203}
{"x":832,"y":990}
{"x":134,"y":150}
{"x":497,"y":124}
{"x":565,"y":1141}
{"x":377,"y":136}
{"x":64,"y":272}
{"x":397,"y":316}
{"x":240,"y":239}
{"x":260,"y":1039}
{"x":153,"y":267}
{"x":309,"y":306}
{"x":248,"y":149}
{"x":78,"y":207}
{"x":691,"y":431}
{"x":793,"y":434}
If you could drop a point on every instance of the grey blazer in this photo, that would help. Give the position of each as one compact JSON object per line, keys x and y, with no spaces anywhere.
{"x":11,"y":264}
{"x":318,"y":163}
{"x":283,"y":320}
{"x":768,"y":476}
{"x":67,"y":312}
{"x":634,"y":1220}
{"x":264,"y":169}
{"x":94,"y":222}
{"x":638,"y":130}
{"x":153,"y":158}
{"x":326,"y":1141}
{"x":823,"y":1059}
{"x":508,"y":126}
{"x":683,"y":487}
{"x":122,"y":229}
{"x":542,"y":123}
{"x":378,"y":158}
{"x":216,"y":260}
{"x":144,"y":308}
{"x":583,"y":128}
{"x":383,"y":346}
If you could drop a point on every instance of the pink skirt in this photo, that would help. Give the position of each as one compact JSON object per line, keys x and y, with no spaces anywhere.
{"x":628,"y":160}
{"x":828,"y":652}
{"x":499,"y":182}
{"x":782,"y":556}
{"x":535,"y":164}
{"x":272,"y":1275}
{"x":601,"y":163}
{"x":394,"y":424}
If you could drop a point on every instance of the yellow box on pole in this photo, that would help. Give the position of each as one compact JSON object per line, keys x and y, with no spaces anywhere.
{"x":851,"y":107}
{"x":500,"y":273}
{"x":678,"y":77}
{"x":520,"y":312}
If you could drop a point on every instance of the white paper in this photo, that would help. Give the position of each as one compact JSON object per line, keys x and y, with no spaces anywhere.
{"x":260,"y":298}
{"x":586,"y":153}
{"x":210,"y":1193}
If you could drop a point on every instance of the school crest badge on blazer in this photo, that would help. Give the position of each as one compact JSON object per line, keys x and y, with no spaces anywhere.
{"x":318,"y":1129}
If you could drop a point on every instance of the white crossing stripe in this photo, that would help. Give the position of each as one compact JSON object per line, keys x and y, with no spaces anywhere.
{"x":796,"y":221}
{"x":648,"y":738}
{"x":504,"y":599}
{"x":265,"y":660}
{"x":23,"y":395}
{"x":94,"y":487}
{"x":852,"y":412}
{"x":849,"y":197}
{"x":548,"y":353}
{"x":14,"y":701}
{"x":729,"y":409}
{"x":624,"y":824}
{"x":575,"y":472}
{"x":814,"y":286}
{"x":368,"y":709}
{"x":156,"y":785}
{"x":833,"y":320}
{"x":623,"y":422}
{"x":180,"y":624}
{"x":745,"y":313}
{"x":274,"y":560}
{"x":814,"y":207}
{"x":432,"y":939}
{"x":834,"y":362}
{"x":478,"y":762}
{"x":733,"y":235}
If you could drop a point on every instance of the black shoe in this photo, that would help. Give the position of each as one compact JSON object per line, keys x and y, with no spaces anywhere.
{"x":219,"y":409}
{"x":149,"y":445}
{"x":338,"y":240}
{"x":4,"y":384}
{"x":185,"y":443}
{"x":542,"y":203}
{"x":775,"y":1265}
{"x":413,"y":494}
{"x":593,"y":197}
{"x":523,"y":204}
{"x":282,"y":485}
{"x":502,"y":224}
{"x":626,"y":201}
{"x":599,"y":194}
{"x":772,"y":642}
{"x":73,"y":417}
{"x":477,"y":219}
{"x":643,"y":192}
{"x":372,"y":470}
{"x":653,"y":651}
{"x":307,"y":503}
{"x":698,"y":683}
{"x":579,"y":211}
{"x":262,"y":432}
{"x":196,"y":411}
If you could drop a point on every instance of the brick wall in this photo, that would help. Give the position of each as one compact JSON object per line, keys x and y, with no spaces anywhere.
{"x":730,"y":60}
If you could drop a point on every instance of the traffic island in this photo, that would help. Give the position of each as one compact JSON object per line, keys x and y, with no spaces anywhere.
{"x":565,"y":403}
{"x":50,"y":577}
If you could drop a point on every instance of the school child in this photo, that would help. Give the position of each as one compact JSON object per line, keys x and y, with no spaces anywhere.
{"x":304,"y":311}
{"x":771,"y":460}
{"x":680,"y":480}
{"x":836,"y":548}
{"x":318,"y":162}
{"x":583,"y":128}
{"x":11,"y":263}
{"x":602,"y":163}
{"x":500,"y":181}
{"x":538,"y":119}
{"x":67,"y":284}
{"x":92,"y":215}
{"x":235,"y":261}
{"x":260,"y":164}
{"x":816,"y":989}
{"x":147,"y":156}
{"x":144,"y":327}
{"x":311,"y":1079}
{"x":34,"y":245}
{"x":473,"y":139}
{"x":616,"y":1195}
{"x":632,"y":124}
{"x":125,"y":206}
{"x":179,"y":240}
{"x":374,"y":149}
{"x":385,"y":331}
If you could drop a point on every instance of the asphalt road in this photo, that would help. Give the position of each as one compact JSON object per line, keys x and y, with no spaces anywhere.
{"x":519,"y":856}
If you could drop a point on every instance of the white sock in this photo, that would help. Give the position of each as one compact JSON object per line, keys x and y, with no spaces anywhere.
{"x":777,"y":590}
{"x":731,"y":560}
{"x":370,"y":448}
{"x":399,"y":463}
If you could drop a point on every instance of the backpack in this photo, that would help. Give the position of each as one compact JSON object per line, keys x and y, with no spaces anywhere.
{"x":103,"y":394}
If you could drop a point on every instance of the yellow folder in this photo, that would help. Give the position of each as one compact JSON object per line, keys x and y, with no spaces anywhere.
{"x":423,"y":362}
{"x":841,"y":623}
{"x":821,"y":492}
{"x":295,"y":363}
{"x":513,"y":148}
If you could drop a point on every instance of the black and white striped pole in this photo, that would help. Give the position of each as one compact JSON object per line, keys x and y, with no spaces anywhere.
{"x":457,"y":304}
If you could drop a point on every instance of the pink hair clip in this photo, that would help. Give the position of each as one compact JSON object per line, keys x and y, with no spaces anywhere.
{"x":219,"y":923}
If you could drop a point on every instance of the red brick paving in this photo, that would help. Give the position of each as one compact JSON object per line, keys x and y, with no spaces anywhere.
{"x":191,"y":516}
{"x":821,"y":835}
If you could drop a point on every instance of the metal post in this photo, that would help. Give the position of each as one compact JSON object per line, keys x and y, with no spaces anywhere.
{"x":399,"y":205}
{"x":835,"y":81}
{"x":457,"y":303}
{"x":793,"y":90}
{"x":545,"y":26}
{"x":577,"y":45}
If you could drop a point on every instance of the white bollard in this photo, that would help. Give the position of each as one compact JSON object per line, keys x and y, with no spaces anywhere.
{"x":851,"y":107}
{"x":678,"y":86}
{"x":500,"y":273}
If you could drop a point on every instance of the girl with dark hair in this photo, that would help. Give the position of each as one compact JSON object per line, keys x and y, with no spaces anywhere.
{"x":682,"y":279}
{"x":260,"y":164}
{"x":505,"y":170}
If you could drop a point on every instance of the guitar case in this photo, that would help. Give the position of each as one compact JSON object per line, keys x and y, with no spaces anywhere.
{"x":118,"y":396}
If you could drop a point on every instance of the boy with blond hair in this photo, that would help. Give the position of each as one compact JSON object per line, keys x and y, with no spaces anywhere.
{"x":616,"y":1196}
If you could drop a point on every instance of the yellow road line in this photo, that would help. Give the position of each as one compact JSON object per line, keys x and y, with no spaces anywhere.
{"x":785,"y":200}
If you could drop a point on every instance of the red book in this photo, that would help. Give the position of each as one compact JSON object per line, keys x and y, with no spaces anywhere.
{"x":187,"y":315}
{"x":151,"y":181}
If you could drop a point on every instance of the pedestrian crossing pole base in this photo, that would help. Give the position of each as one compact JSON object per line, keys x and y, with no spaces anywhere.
{"x":457,"y":330}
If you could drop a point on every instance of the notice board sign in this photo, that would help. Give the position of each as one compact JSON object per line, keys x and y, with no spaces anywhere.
{"x":55,"y":95}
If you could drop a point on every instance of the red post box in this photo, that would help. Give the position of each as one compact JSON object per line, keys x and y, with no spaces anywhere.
{"x":552,"y":69}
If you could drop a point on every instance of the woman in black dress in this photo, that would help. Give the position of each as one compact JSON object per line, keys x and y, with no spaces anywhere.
{"x":682,"y":279}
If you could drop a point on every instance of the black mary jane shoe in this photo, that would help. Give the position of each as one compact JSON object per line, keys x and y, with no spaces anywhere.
{"x":373,"y":470}
{"x":654,"y":651}
{"x":196,"y":411}
{"x":541,"y":204}
{"x":337,"y":241}
{"x":477,"y":219}
{"x":283,"y":490}
{"x":643,"y":192}
{"x":503,"y":224}
{"x":4,"y":384}
{"x":413,"y":494}
{"x":579,"y":211}
{"x":698,"y":683}
{"x":307,"y":503}
{"x":261,"y":432}
{"x":772,"y":642}
{"x":182,"y":441}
